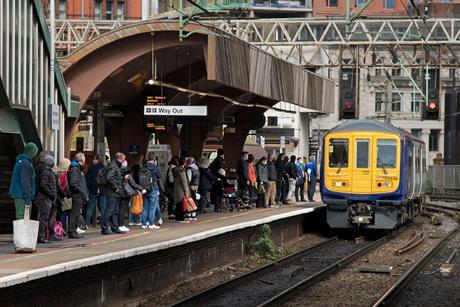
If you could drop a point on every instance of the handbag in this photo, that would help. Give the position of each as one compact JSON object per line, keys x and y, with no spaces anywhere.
{"x":25,"y":233}
{"x":188,"y":204}
{"x":129,"y":189}
{"x":137,"y":205}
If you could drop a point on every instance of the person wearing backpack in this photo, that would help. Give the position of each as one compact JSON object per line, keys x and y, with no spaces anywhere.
{"x":79,"y":192}
{"x":150,"y":182}
{"x":114,"y":190}
{"x":96,"y":190}
{"x":22,"y":187}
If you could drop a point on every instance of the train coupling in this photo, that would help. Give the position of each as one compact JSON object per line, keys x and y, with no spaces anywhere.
{"x":360,"y":213}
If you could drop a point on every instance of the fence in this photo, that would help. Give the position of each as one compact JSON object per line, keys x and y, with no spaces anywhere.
{"x":444,"y":181}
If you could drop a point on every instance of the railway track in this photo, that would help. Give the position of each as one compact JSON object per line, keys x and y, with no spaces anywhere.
{"x":275,"y":283}
{"x":423,"y":281}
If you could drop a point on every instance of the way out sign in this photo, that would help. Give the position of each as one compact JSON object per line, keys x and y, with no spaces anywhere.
{"x":176,"y":110}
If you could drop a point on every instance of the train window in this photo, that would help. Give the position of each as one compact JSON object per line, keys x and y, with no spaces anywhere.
{"x":338,"y":153}
{"x":386,"y":153}
{"x":362,"y":153}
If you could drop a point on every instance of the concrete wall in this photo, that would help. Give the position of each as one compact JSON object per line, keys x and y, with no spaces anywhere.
{"x":125,"y":280}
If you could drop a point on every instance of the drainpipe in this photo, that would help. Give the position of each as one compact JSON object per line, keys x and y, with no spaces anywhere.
{"x":53,"y":146}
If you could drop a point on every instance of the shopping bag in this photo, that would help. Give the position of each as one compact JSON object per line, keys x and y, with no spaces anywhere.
{"x":188,"y":204}
{"x":25,"y":233}
{"x":136,"y":208}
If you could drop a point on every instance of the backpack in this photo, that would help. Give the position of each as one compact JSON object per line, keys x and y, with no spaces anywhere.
{"x":101,"y":177}
{"x":145,"y":179}
{"x":64,"y":184}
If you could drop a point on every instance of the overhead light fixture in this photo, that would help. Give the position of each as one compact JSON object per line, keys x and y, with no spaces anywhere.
{"x":134,"y":78}
{"x":151,"y":82}
{"x":116,"y":72}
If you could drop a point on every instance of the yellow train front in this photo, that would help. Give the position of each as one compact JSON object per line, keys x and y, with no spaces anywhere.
{"x":372,"y":175}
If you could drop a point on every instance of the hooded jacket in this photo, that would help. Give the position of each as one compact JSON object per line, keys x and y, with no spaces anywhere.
{"x":206,"y":179}
{"x":193,"y":175}
{"x":155,"y":171}
{"x":91,"y":178}
{"x":47,"y":181}
{"x":23,"y":179}
{"x":77,"y":182}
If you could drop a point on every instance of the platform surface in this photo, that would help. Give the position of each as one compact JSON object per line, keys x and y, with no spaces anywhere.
{"x":57,"y":257}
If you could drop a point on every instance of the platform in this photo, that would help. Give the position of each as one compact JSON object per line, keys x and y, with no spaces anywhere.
{"x":94,"y":249}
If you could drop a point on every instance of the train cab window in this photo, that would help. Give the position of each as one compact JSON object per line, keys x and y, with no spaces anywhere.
{"x":362,"y":153}
{"x":338,"y":153}
{"x":386,"y":153}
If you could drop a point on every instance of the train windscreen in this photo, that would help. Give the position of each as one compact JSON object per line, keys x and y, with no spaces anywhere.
{"x":338,"y":153}
{"x":386,"y":154}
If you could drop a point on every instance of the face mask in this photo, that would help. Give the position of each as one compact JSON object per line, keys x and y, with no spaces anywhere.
{"x":124,"y":164}
{"x":265,"y":162}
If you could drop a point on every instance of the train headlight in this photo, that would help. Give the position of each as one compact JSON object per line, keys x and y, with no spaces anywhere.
{"x":339,"y":184}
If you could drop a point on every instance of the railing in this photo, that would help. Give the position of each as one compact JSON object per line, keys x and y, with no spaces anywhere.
{"x":444,"y":181}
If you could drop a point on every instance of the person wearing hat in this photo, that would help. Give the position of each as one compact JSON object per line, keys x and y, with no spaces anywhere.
{"x":22,"y":186}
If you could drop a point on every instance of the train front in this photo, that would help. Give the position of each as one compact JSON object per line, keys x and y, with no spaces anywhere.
{"x":361,"y":179}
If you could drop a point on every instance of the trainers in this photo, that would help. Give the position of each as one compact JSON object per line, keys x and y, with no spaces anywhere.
{"x":132,"y":224}
{"x":154,"y":227}
{"x":144,"y":226}
{"x":123,"y":228}
{"x":160,"y":222}
{"x":138,"y":224}
{"x":80,"y":231}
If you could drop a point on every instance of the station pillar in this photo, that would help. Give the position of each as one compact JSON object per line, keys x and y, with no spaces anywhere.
{"x":233,"y":146}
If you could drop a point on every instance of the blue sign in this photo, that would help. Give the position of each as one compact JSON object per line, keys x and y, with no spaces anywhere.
{"x":134,"y":149}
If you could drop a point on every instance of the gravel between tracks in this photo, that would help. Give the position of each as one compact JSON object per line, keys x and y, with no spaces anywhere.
{"x":220,"y":274}
{"x":425,"y":290}
{"x":349,"y":287}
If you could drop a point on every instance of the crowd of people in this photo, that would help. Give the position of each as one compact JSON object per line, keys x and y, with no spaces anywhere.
{"x":66,"y":195}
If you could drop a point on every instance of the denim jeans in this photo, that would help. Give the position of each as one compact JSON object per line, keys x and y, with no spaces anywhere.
{"x":149,"y":209}
{"x":95,"y":198}
{"x":134,"y":219}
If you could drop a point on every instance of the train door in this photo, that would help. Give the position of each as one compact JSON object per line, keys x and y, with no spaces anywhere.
{"x":362,"y":171}
{"x":386,"y":174}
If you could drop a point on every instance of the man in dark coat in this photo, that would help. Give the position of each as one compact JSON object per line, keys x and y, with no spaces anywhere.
{"x":96,"y":191}
{"x":79,"y":191}
{"x":218,"y":163}
{"x":113,"y":191}
{"x":22,"y":187}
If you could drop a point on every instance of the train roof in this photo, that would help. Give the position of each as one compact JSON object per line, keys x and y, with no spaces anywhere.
{"x":371,"y":125}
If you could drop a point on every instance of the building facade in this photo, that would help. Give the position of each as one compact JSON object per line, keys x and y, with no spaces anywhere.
{"x":335,"y":8}
{"x":96,"y":9}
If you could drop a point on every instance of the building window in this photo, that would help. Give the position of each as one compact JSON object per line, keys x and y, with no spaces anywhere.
{"x":415,"y":102}
{"x":379,"y":101}
{"x":331,"y":3}
{"x":416,"y":133}
{"x":396,"y":72}
{"x":272,"y":121}
{"x":62,"y":9}
{"x":120,"y":10}
{"x":98,"y":10}
{"x":379,"y":72}
{"x":452,"y":73}
{"x":108,"y":10}
{"x":389,"y":4}
{"x":433,"y":142}
{"x":396,"y":102}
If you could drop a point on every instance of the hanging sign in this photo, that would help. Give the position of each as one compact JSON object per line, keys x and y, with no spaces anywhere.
{"x":176,"y":110}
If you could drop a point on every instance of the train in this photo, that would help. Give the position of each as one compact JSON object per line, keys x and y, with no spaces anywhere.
{"x":373,"y":175}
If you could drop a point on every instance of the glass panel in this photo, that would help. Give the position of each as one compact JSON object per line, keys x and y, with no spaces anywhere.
{"x":338,"y":153}
{"x":362,"y":153}
{"x":120,"y":10}
{"x":386,"y":154}
{"x":108,"y":10}
{"x":62,"y":9}
{"x":98,"y":10}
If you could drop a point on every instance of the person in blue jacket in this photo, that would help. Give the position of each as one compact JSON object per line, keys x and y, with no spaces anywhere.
{"x":312,"y":172}
{"x":22,"y":187}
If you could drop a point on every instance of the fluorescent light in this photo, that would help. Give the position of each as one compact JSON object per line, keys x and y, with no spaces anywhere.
{"x":134,"y":78}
